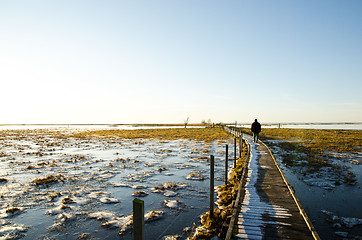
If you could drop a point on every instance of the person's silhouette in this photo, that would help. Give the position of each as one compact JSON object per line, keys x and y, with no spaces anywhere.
{"x":256,"y":129}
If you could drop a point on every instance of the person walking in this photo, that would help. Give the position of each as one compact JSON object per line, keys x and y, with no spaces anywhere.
{"x":256,"y":129}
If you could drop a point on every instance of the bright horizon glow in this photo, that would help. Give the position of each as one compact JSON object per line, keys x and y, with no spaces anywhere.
{"x":161,"y":61}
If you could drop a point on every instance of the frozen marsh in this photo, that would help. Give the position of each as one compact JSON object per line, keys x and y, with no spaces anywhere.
{"x":55,"y":185}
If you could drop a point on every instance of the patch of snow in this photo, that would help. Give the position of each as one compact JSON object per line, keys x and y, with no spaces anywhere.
{"x":12,"y":231}
{"x":172,"y":203}
{"x":139,"y":187}
{"x":117,"y":184}
{"x":98,"y":194}
{"x":153,"y":215}
{"x":341,"y":234}
{"x":172,"y":237}
{"x":124,"y":223}
{"x":345,"y":221}
{"x":10,"y":212}
{"x":195,"y":176}
{"x":59,"y":209}
{"x":102,"y":215}
{"x":108,"y":200}
{"x":170,"y":193}
{"x":140,"y":194}
{"x":63,"y":217}
{"x":320,"y":182}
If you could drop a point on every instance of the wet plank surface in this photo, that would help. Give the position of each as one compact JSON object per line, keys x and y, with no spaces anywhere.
{"x":268,"y":210}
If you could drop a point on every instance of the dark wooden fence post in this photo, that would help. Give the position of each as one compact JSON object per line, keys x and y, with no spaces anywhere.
{"x":212,"y":186}
{"x":138,"y":220}
{"x":226,"y":164}
{"x":240,"y":145}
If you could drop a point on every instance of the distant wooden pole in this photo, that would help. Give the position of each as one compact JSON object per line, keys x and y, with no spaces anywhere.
{"x":138,"y":220}
{"x":211,"y":186}
{"x":226,"y":163}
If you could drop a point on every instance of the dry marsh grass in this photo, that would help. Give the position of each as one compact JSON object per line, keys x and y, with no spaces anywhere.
{"x":319,"y":140}
{"x":201,"y":134}
{"x":45,"y":181}
{"x":311,"y":150}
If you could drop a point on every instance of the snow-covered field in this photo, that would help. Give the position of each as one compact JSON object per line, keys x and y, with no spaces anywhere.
{"x":55,"y":187}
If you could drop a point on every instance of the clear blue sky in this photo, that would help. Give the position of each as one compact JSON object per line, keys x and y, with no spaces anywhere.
{"x":161,"y":61}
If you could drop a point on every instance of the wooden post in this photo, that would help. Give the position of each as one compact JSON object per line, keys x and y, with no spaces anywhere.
{"x":212,"y":186}
{"x":226,"y":163}
{"x":240,"y":145}
{"x":138,"y":220}
{"x":235,"y":152}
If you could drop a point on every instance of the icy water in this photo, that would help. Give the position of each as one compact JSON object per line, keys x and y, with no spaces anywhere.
{"x":93,"y":182}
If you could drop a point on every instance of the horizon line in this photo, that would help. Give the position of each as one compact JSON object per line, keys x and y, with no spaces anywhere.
{"x":180,"y":124}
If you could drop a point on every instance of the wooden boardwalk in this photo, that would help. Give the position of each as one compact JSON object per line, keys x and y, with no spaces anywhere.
{"x":268,"y":207}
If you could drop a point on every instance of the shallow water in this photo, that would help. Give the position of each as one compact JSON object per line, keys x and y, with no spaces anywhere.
{"x":97,"y":171}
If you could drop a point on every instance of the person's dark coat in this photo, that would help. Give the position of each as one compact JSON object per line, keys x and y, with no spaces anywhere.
{"x":256,"y":127}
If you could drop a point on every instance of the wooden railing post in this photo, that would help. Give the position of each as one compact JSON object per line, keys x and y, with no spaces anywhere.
{"x":138,"y":220}
{"x":240,"y":145}
{"x":226,"y":163}
{"x":211,"y":186}
{"x":234,"y":151}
